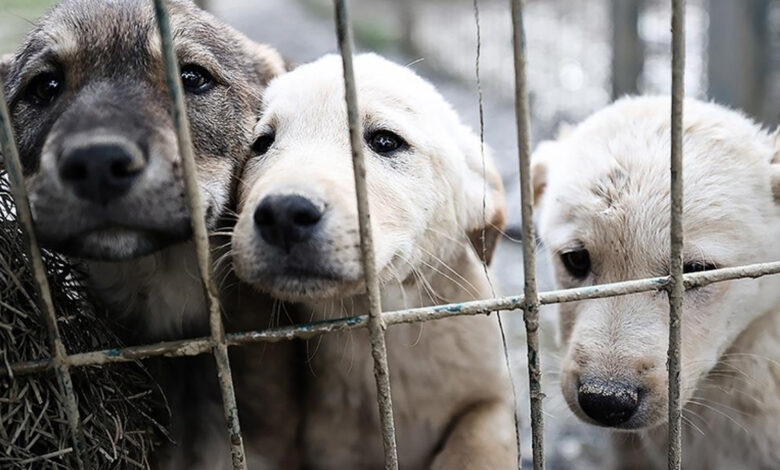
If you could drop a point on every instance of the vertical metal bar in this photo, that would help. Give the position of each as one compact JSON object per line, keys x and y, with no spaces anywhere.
{"x":200,"y":234}
{"x":499,"y":320}
{"x":376,"y":324}
{"x":531,"y":308}
{"x":676,"y":286}
{"x":45,"y":303}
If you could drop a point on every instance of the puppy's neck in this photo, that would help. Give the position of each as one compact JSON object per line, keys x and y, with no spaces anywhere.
{"x":159,"y":297}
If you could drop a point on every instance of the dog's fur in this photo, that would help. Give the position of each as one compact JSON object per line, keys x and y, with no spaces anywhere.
{"x":451,"y":393}
{"x":107,"y":56}
{"x":605,"y":188}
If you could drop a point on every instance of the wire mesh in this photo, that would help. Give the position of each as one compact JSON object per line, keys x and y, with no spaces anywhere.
{"x":376,"y":321}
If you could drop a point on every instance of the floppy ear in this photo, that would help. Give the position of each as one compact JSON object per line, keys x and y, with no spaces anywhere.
{"x":774,"y":174}
{"x":484,"y":197}
{"x":540,"y":160}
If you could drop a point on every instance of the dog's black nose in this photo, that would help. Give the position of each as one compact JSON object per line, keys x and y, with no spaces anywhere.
{"x":101,"y":172}
{"x":609,"y":403}
{"x":284,"y":221}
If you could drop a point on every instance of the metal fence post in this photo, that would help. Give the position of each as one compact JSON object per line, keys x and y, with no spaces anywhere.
{"x":376,"y":324}
{"x":200,"y":234}
{"x":676,"y":284}
{"x":531,"y":305}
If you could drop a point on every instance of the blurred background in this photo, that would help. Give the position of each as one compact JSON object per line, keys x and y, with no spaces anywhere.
{"x":581,"y":55}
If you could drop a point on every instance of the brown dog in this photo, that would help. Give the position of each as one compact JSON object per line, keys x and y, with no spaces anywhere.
{"x":90,"y":108}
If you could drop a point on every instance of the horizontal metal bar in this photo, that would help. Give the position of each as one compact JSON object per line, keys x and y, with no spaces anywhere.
{"x":196,"y":346}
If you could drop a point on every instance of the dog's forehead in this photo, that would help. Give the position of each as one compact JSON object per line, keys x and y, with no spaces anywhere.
{"x":611,"y":185}
{"x":117,"y":35}
{"x":382,"y":87}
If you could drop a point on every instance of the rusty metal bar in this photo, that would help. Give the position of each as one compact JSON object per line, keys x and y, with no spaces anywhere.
{"x":200,"y":234}
{"x":531,"y":307}
{"x":676,"y":283}
{"x":499,"y":318}
{"x":45,"y":303}
{"x":199,"y":346}
{"x":376,"y":324}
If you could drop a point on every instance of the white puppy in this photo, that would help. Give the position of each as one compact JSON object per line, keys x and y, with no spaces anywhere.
{"x":603,"y":196}
{"x":429,"y":191}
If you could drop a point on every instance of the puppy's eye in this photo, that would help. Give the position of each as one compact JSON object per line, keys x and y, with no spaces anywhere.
{"x":577,"y":262}
{"x":697,"y":267}
{"x":263,"y":143}
{"x":196,"y":79}
{"x":45,"y":88}
{"x":385,"y":142}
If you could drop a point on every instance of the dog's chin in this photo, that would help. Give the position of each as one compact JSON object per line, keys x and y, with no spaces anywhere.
{"x":297,"y":289}
{"x":294,"y":285}
{"x":116,"y":243}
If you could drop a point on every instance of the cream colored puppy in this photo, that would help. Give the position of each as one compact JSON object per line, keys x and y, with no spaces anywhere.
{"x":603,"y":196}
{"x":297,"y":238}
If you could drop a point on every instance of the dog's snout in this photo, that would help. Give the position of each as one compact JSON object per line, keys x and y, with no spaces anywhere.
{"x":286,"y":220}
{"x":101,"y":172}
{"x":607,"y":402}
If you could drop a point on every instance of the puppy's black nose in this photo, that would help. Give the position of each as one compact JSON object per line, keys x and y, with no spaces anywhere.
{"x":101,"y":172}
{"x":284,"y":221}
{"x":609,"y":403}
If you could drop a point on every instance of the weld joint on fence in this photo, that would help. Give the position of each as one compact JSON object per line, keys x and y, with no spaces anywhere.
{"x":200,"y":233}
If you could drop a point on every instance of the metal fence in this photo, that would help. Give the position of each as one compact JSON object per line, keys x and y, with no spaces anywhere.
{"x":377,"y":321}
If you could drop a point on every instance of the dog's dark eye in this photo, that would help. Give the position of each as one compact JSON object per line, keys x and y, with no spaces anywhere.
{"x":577,"y":262}
{"x":697,"y":267}
{"x":263,"y":143}
{"x":45,"y":88}
{"x":196,"y":79}
{"x":385,"y":142}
